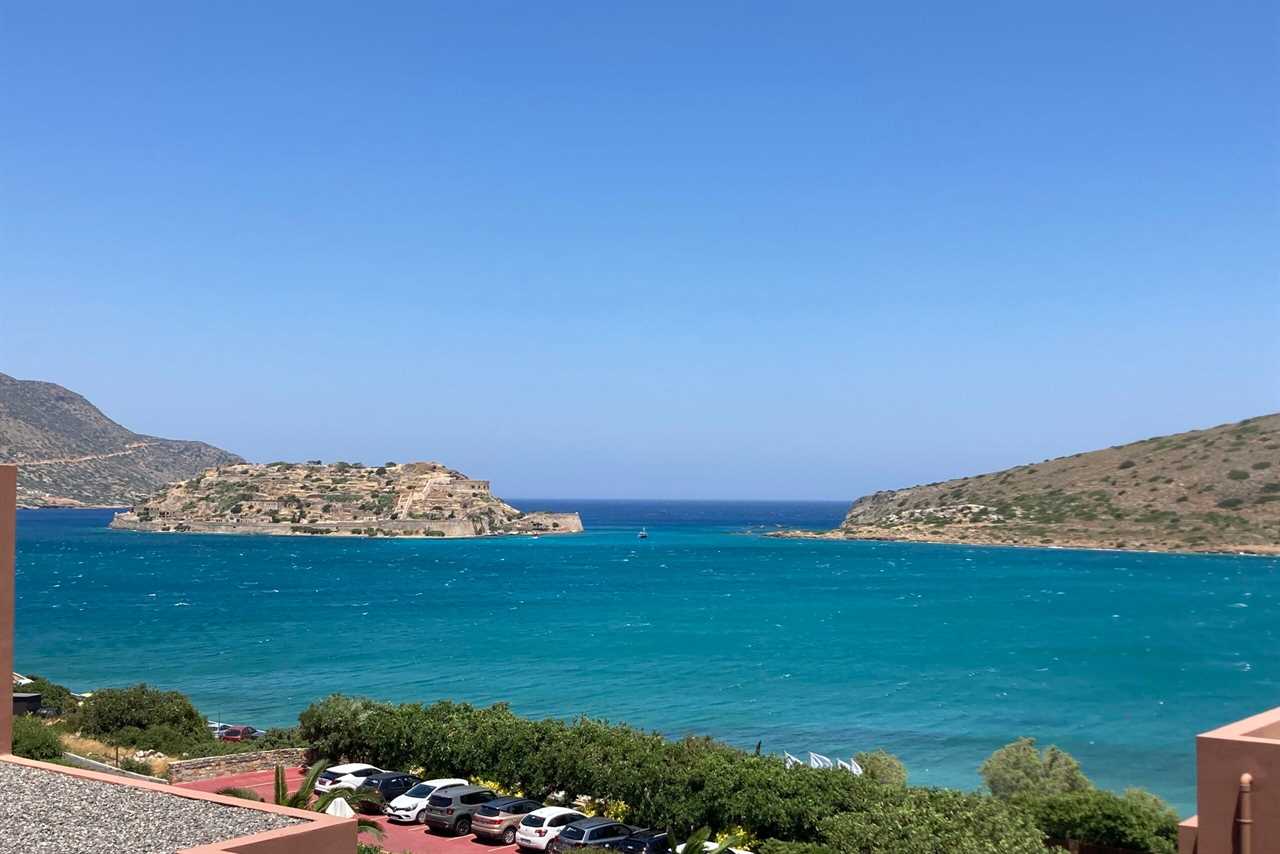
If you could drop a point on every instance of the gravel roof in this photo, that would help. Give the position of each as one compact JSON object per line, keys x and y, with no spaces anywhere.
{"x":45,"y":811}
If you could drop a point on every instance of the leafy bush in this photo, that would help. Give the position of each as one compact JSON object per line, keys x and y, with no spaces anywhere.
{"x":137,"y":766}
{"x":1137,"y":820}
{"x":928,"y":821}
{"x":144,"y":716}
{"x":1019,"y":768}
{"x":1230,"y":503}
{"x":34,"y":740}
{"x":1238,"y":474}
{"x":883,"y":767}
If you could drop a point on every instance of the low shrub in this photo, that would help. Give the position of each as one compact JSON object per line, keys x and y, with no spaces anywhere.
{"x":34,"y":740}
{"x":136,"y":766}
{"x":1136,"y":820}
{"x":927,"y":821}
{"x":140,"y":707}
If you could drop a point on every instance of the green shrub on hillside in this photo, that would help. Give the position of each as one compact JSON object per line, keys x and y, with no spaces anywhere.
{"x":883,"y":767}
{"x":1136,"y":820}
{"x":929,"y":821}
{"x":34,"y":740}
{"x":125,"y":714}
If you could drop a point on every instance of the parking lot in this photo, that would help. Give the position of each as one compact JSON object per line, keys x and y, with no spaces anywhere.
{"x":398,"y":837}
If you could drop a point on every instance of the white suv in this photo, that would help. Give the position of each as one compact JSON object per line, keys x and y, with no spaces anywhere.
{"x":348,"y":776}
{"x":538,"y":828}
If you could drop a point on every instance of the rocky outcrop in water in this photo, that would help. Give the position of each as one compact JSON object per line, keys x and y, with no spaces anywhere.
{"x":423,"y":499}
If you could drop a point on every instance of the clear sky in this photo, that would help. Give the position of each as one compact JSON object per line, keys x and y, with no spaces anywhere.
{"x":733,"y":250}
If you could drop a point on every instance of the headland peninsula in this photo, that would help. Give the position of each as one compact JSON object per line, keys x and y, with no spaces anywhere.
{"x":1213,"y":490}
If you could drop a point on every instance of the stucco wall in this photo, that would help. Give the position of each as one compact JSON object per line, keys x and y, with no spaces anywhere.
{"x":186,"y":770}
{"x":1222,"y":756}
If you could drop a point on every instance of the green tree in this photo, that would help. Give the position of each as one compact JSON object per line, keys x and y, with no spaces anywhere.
{"x":883,"y":767}
{"x":1019,"y":768}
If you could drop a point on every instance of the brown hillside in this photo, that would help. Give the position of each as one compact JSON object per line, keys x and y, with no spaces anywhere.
{"x":1205,"y":490}
{"x":69,"y":453}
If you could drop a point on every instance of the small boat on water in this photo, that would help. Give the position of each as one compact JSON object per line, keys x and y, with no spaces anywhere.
{"x":643,"y":535}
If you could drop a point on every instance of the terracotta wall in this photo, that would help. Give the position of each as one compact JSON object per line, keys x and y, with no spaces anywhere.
{"x":1222,"y":756}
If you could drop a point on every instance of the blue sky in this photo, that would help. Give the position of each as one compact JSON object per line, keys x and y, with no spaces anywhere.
{"x":750,"y":250}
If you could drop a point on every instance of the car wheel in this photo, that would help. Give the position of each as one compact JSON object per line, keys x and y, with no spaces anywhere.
{"x":421,"y":817}
{"x":462,"y":826}
{"x":509,"y":836}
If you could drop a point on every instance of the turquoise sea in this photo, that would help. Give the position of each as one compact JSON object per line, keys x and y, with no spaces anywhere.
{"x":936,"y":653}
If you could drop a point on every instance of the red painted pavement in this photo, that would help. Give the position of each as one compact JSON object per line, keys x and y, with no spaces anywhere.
{"x":412,"y":838}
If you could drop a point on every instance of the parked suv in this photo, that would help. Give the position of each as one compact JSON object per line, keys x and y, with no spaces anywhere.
{"x":539,"y":827}
{"x":598,"y":832}
{"x":645,"y":842}
{"x":389,"y":785}
{"x":412,"y":805}
{"x":452,"y":809}
{"x":498,"y":818}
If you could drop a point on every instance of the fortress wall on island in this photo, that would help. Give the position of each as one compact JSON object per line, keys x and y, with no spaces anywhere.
{"x":536,"y":522}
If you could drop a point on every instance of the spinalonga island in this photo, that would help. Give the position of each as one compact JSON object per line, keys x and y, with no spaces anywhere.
{"x":423,"y":499}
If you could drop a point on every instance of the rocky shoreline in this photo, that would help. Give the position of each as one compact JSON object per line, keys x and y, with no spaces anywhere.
{"x":969,"y":539}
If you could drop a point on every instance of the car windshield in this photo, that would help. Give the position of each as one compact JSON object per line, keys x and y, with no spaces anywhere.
{"x":440,"y":801}
{"x":420,"y":791}
{"x":329,"y":775}
{"x":572,"y":832}
{"x":533,"y":821}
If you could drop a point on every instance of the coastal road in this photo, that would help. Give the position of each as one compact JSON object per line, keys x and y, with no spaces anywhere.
{"x":411,"y":838}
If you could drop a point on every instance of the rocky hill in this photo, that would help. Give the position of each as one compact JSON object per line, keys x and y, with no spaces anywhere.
{"x":414,"y":499}
{"x":70,"y":454}
{"x":1206,"y":490}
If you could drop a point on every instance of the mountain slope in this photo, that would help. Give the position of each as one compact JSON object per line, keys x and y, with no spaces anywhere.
{"x":69,"y":453}
{"x":1205,"y":490}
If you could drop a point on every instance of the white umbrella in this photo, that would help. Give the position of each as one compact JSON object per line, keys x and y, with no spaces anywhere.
{"x":340,"y":809}
{"x":817,"y":760}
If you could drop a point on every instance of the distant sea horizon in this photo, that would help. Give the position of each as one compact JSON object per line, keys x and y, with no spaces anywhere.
{"x":937,"y":653}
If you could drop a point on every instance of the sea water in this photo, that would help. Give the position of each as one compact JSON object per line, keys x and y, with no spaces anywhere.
{"x":936,"y":653}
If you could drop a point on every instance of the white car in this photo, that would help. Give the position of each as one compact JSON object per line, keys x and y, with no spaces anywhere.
{"x":538,"y":828}
{"x":409,"y":806}
{"x":348,"y":776}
